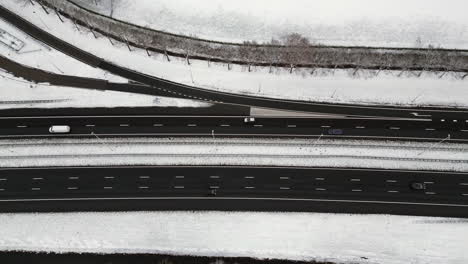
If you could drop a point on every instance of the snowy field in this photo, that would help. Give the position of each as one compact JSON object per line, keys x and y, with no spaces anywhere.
{"x":339,"y":86}
{"x":10,"y":41}
{"x":376,"y":239}
{"x":19,"y":93}
{"x":240,"y":152}
{"x":398,"y":23}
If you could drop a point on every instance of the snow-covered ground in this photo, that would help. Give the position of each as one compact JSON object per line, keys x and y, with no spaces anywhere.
{"x":19,"y":93}
{"x":38,"y":55}
{"x":10,"y":41}
{"x":397,"y":23}
{"x":336,"y":86}
{"x":241,"y":152}
{"x":376,"y":239}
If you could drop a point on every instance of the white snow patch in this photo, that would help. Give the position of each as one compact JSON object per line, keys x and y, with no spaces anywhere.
{"x":338,"y":86}
{"x":337,"y":238}
{"x":396,"y":23}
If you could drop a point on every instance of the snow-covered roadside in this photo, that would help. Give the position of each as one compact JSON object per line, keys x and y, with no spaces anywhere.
{"x":38,"y":55}
{"x":335,"y":86}
{"x":18,"y":93}
{"x":397,"y":23}
{"x":377,"y":239}
{"x":239,"y":152}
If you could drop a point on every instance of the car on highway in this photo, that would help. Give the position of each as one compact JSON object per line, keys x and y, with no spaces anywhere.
{"x":249,"y":120}
{"x":418,"y":186}
{"x":59,"y":129}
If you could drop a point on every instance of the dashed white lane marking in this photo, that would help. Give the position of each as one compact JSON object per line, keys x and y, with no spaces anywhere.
{"x":394,"y":128}
{"x":214,"y":187}
{"x":292,"y":125}
{"x":143,"y":187}
{"x":391,"y":181}
{"x":158,"y":125}
{"x":356,"y":190}
{"x":90,"y":125}
{"x":108,"y":187}
{"x":360,"y":127}
{"x":3,"y":179}
{"x":430,"y":129}
{"x":355,"y":180}
{"x":124,"y":125}
{"x":179,"y":187}
{"x":249,"y":187}
{"x":1,"y":190}
{"x":179,"y":177}
{"x":464,"y":183}
{"x":428,"y":182}
{"x":144,"y":177}
{"x":325,"y":126}
{"x":72,"y":188}
{"x":225,"y":125}
{"x":214,"y":177}
{"x":191,"y":125}
{"x":392,"y":191}
{"x":249,"y":177}
{"x":73,"y":178}
{"x":431,"y":193}
{"x":109,"y":177}
{"x":284,"y":178}
{"x":258,"y":125}
{"x":22,"y":126}
{"x":38,"y":178}
{"x":35,"y":189}
{"x":285,"y":188}
{"x":320,"y":189}
{"x":319,"y":179}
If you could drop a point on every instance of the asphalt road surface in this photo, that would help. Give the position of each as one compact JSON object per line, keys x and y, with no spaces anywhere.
{"x":197,"y":93}
{"x":234,"y":188}
{"x":235,"y":126}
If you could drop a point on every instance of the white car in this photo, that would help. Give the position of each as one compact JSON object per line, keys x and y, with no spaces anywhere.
{"x":249,"y":120}
{"x":59,"y":129}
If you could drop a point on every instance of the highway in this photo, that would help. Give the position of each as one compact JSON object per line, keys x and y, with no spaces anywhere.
{"x":233,"y":188}
{"x":197,"y":93}
{"x":229,"y":188}
{"x":235,"y":126}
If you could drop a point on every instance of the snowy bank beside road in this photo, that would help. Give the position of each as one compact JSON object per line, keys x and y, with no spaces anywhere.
{"x":381,"y":239}
{"x":397,"y":23}
{"x":292,"y":49}
{"x":38,"y":55}
{"x":238,"y":152}
{"x":340,"y":86}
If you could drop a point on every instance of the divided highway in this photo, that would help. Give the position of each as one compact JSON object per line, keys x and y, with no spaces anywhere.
{"x":237,"y":126}
{"x":234,"y":188}
{"x":191,"y":92}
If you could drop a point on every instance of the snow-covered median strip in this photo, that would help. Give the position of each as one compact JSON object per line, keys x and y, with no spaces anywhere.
{"x":19,"y":93}
{"x":373,"y":239}
{"x":335,"y":86}
{"x":246,"y":152}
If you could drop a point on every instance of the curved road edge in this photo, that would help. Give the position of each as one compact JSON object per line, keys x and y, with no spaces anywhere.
{"x":221,"y":97}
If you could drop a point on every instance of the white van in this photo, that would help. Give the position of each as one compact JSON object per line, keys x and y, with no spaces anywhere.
{"x":59,"y":129}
